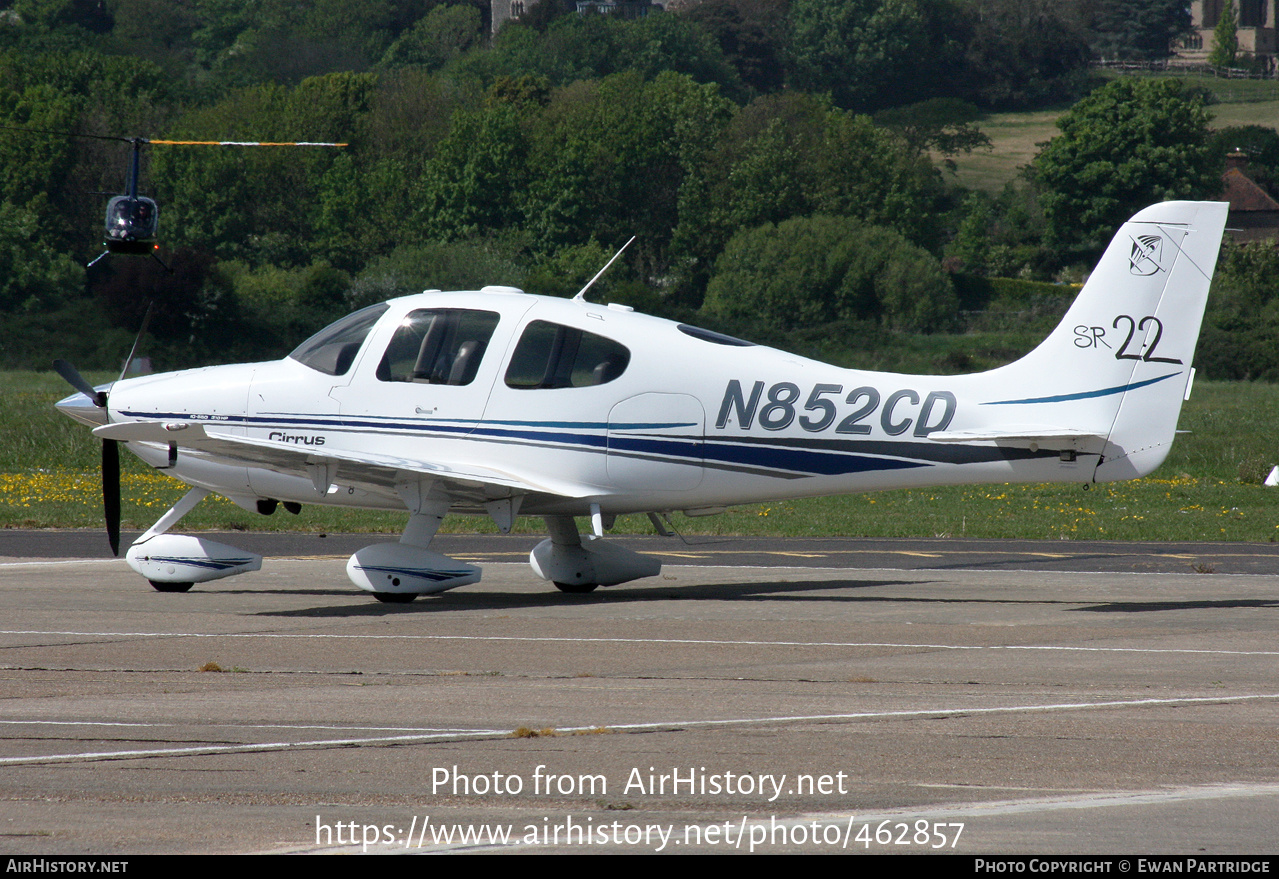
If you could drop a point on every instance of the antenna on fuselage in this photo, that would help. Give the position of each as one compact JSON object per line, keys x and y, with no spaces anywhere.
{"x":581,"y":294}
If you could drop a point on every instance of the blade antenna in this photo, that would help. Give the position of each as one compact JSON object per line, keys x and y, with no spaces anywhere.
{"x":581,"y":294}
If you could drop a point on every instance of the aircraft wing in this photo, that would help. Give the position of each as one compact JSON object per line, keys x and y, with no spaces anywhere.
{"x":383,"y":471}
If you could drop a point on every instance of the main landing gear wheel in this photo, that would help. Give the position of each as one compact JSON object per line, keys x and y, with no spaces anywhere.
{"x":576,"y":588}
{"x":170,"y":587}
{"x":395,"y":597}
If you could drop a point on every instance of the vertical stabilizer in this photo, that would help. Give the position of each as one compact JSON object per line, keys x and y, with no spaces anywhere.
{"x":1164,"y":337}
{"x":1118,"y":364}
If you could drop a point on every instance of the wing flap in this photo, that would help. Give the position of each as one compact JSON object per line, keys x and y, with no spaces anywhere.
{"x":1053,"y":438}
{"x":286,"y":454}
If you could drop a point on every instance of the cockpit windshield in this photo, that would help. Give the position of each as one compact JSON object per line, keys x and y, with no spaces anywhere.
{"x":332,"y":350}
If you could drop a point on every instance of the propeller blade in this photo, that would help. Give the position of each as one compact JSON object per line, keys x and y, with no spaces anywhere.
{"x":77,"y":381}
{"x":111,"y":492}
{"x":146,"y":318}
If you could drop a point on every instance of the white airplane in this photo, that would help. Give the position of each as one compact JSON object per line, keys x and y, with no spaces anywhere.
{"x":501,"y":403}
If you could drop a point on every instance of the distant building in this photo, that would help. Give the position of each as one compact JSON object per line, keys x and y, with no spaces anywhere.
{"x":502,"y":11}
{"x":1254,"y":215}
{"x":623,"y":8}
{"x":1257,"y":34}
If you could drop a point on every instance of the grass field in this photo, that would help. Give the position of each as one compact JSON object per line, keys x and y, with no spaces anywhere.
{"x":1016,"y":137}
{"x":1209,"y":489}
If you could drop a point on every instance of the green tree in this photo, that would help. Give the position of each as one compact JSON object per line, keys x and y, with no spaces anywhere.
{"x":1001,"y":236}
{"x":868,"y":54}
{"x":751,"y":34}
{"x":76,"y":91}
{"x":619,"y":157}
{"x":578,"y":47}
{"x":259,"y":204}
{"x":285,"y":41}
{"x":1129,"y":144}
{"x":195,"y":316}
{"x":1225,"y":37}
{"x":1019,"y":53}
{"x":472,"y":184}
{"x":567,"y":270}
{"x":33,"y":277}
{"x":454,"y":265}
{"x":63,"y":14}
{"x":941,"y":124}
{"x":793,"y":155}
{"x":445,"y":33}
{"x":1240,"y":339}
{"x":1138,"y":28}
{"x":813,"y":270}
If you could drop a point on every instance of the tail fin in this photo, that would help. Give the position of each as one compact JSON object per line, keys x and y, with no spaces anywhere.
{"x":1118,"y":365}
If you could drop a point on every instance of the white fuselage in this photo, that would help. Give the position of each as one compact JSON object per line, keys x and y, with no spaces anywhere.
{"x":689,"y":423}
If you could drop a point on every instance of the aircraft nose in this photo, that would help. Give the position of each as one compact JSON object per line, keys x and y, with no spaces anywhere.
{"x":82,"y":409}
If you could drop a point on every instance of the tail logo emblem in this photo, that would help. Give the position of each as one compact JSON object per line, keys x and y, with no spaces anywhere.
{"x":1145,"y":254}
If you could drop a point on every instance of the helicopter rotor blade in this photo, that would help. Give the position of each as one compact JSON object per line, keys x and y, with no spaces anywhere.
{"x":66,"y":133}
{"x":243,"y":143}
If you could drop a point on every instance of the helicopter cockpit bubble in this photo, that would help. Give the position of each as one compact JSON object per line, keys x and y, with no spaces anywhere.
{"x":132,"y":224}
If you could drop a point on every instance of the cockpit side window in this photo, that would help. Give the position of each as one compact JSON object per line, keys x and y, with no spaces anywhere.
{"x":555,"y":356}
{"x":332,"y":350}
{"x":439,"y":346}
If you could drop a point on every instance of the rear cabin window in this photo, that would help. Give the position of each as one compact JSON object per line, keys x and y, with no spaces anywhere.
{"x":332,"y":350}
{"x":440,"y":346}
{"x":555,"y":356}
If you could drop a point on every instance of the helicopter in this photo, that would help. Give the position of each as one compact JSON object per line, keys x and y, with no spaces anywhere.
{"x":132,"y":223}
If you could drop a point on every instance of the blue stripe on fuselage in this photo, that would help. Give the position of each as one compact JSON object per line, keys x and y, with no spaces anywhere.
{"x":691,"y":450}
{"x":1083,"y":395}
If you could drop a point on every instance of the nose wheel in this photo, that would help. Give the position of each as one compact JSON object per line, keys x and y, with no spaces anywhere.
{"x":161,"y":586}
